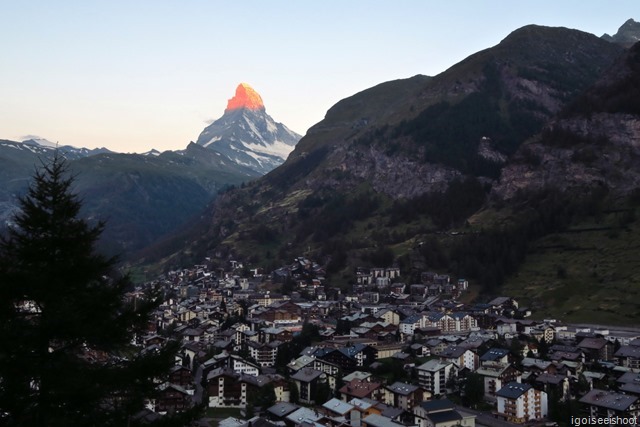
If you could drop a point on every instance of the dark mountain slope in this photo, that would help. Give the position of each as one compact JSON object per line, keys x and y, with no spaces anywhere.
{"x":400,"y":145}
{"x":568,"y":205}
{"x":594,"y":142}
{"x":144,"y":197}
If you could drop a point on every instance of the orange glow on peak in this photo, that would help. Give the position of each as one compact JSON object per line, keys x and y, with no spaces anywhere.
{"x":245,"y":97}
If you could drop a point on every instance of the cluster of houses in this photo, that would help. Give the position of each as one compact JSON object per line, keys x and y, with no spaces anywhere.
{"x":238,"y":340}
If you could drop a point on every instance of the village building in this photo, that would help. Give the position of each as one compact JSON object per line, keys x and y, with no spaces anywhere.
{"x":520,"y":403}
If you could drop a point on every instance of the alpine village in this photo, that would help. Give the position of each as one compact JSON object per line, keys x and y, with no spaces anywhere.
{"x":456,"y":250}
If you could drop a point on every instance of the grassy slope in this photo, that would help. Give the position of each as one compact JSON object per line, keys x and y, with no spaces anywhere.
{"x":583,"y":276}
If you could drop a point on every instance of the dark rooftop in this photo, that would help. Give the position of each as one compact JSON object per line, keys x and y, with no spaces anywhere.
{"x":513,"y":390}
{"x":437,"y":405}
{"x":605,"y":399}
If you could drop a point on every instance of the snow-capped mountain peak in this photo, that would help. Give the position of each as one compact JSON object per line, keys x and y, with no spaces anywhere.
{"x":245,"y":97}
{"x":247,"y":135}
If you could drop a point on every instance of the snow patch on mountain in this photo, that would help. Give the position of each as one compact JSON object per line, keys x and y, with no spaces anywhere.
{"x":277,"y":148}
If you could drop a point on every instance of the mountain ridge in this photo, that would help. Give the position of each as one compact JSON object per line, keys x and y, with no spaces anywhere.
{"x":404,"y":143}
{"x":627,"y":35}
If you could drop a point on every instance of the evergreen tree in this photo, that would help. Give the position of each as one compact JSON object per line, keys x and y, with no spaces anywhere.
{"x":294,"y":393}
{"x":474,"y":390}
{"x":65,"y":329}
{"x":322,"y":392}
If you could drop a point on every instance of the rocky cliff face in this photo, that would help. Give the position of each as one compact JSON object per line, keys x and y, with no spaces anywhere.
{"x":594,"y":143}
{"x":602,"y":151}
{"x":628,"y":34}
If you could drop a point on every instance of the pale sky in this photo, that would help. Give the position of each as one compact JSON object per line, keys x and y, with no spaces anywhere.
{"x":135,"y":75}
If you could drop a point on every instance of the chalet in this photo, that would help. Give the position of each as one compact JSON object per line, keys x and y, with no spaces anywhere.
{"x":520,"y":403}
{"x":558,"y":352}
{"x":361,"y":389}
{"x":538,"y":366}
{"x":499,"y":355}
{"x":360,"y":375}
{"x":375,"y":420}
{"x":554,"y":384}
{"x":225,"y":390}
{"x":503,"y":306}
{"x":629,"y":383}
{"x":281,"y":313}
{"x":253,"y":384}
{"x":434,"y":375}
{"x":264,"y":354}
{"x":409,"y":324}
{"x":301,"y":362}
{"x":445,"y":322}
{"x":172,"y":398}
{"x":191,"y":354}
{"x":405,"y":396}
{"x":441,"y":413}
{"x":192,"y":335}
{"x":232,"y":361}
{"x":364,"y":279}
{"x":364,"y":408}
{"x":473,"y":343}
{"x":324,"y":366}
{"x":154,"y":340}
{"x":304,"y":417}
{"x":597,"y":348}
{"x":507,"y":328}
{"x":420,"y":350}
{"x":239,"y":330}
{"x":397,"y":288}
{"x":181,"y":375}
{"x":306,"y":380}
{"x":348,"y":358}
{"x":338,"y":408}
{"x":389,"y":316}
{"x":459,"y":356}
{"x":281,"y":410}
{"x":363,"y":354}
{"x":606,"y":404}
{"x":495,"y":375}
{"x":464,"y":322}
{"x":628,"y":356}
{"x":436,"y":345}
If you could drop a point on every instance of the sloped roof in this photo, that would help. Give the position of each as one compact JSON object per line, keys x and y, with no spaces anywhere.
{"x":437,"y":405}
{"x":433,"y":365}
{"x":513,"y":390}
{"x":338,"y":406}
{"x":402,"y":388}
{"x":592,"y":343}
{"x":494,"y":354}
{"x":606,"y":399}
{"x":444,"y":416}
{"x":282,"y":409}
{"x":306,"y":375}
{"x":375,"y":420}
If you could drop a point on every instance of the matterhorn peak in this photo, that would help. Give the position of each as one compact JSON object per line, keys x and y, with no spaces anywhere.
{"x":247,"y":135}
{"x":245,"y":97}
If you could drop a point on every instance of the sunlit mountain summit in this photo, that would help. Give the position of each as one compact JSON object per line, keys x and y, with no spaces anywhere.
{"x":247,"y":135}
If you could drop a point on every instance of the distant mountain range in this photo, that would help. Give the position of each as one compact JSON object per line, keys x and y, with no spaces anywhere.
{"x":465,"y":172}
{"x":145,"y":196}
